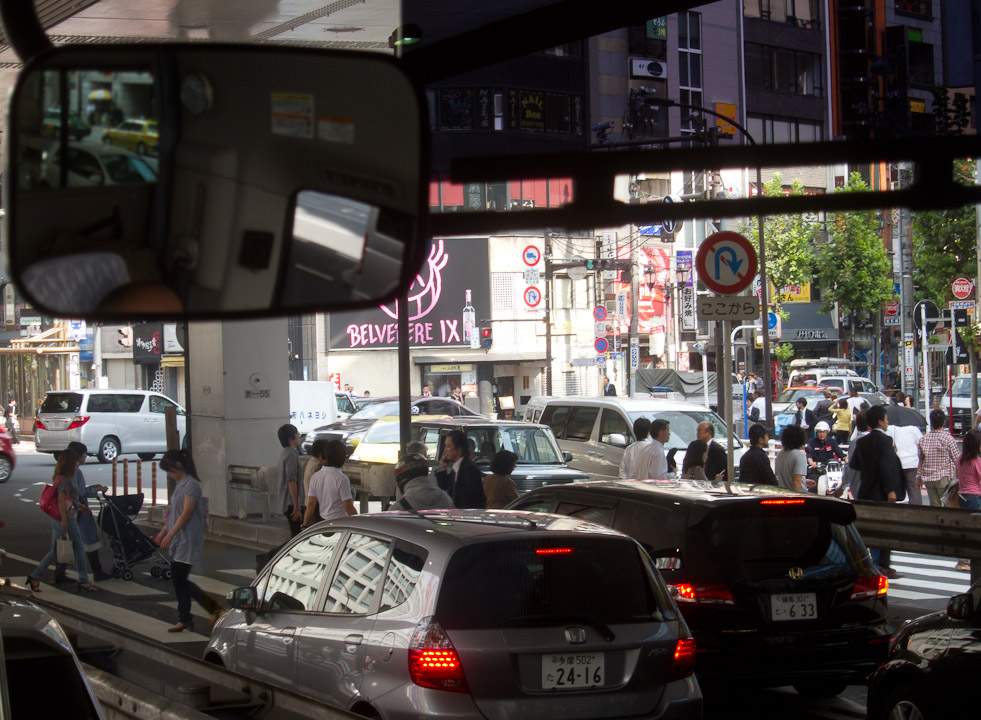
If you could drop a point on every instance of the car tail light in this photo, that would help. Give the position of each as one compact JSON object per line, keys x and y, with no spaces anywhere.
{"x":40,"y":425}
{"x":782,"y":501}
{"x":870,"y":586}
{"x":553,"y":551}
{"x":77,"y":422}
{"x":433,"y":661}
{"x":704,"y":594}
{"x":683,"y":663}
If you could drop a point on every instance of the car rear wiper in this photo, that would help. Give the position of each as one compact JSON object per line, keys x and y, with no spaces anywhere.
{"x":605,"y":630}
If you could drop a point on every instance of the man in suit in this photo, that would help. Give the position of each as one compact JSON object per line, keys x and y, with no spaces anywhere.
{"x":882,"y":473}
{"x":822,"y":413}
{"x":458,"y":475}
{"x":805,"y":418}
{"x":716,"y":462}
{"x":608,"y":387}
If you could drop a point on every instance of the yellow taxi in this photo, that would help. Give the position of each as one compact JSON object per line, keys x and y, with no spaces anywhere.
{"x":372,"y":464}
{"x":140,"y":136}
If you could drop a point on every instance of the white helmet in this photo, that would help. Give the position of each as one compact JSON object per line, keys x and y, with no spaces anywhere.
{"x":822,"y":426}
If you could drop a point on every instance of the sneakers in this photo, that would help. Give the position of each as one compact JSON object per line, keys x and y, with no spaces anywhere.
{"x":964,"y":565}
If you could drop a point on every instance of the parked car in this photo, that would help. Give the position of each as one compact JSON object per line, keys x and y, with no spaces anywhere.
{"x":77,"y":127}
{"x":464,"y":614}
{"x":931,"y":660}
{"x":43,"y":676}
{"x":777,"y":587}
{"x":109,"y":422}
{"x":380,"y":446}
{"x":351,"y":431}
{"x":540,"y":460}
{"x":961,"y":403}
{"x":138,"y":135}
{"x":8,"y":458}
{"x":93,"y":165}
{"x":597,"y":430}
{"x":785,"y":406}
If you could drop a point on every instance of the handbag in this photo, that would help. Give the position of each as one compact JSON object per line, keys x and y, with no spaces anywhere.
{"x":66,"y":552}
{"x":49,"y":500}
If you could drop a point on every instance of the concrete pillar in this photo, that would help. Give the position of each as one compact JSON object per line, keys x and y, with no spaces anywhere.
{"x":238,"y":387}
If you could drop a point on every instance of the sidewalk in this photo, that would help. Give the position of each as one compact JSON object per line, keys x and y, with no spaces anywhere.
{"x":269,"y":534}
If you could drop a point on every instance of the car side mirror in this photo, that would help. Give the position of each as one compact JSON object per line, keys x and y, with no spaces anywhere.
{"x":961,"y":607}
{"x":616,"y":439}
{"x":301,"y":190}
{"x":244,"y":598}
{"x":666,"y":559}
{"x":566,"y":456}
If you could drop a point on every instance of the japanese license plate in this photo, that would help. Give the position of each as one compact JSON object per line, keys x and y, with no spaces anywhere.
{"x":793,"y":606}
{"x":572,"y":671}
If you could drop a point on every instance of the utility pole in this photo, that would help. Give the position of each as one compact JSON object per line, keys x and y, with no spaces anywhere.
{"x":634,"y":316}
{"x":548,"y":313}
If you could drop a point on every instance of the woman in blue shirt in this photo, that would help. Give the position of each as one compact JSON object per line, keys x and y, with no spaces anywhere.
{"x":183,"y":535}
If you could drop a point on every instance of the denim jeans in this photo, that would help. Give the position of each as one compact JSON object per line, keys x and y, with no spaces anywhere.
{"x":969,"y":502}
{"x":77,"y":546}
{"x":184,"y":589}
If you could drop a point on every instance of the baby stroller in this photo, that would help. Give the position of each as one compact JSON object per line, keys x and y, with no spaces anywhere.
{"x":128,"y":543}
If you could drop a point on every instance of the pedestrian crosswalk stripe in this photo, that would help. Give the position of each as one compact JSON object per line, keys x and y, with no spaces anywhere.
{"x":949,"y":574}
{"x":897,"y":594}
{"x":920,"y":559}
{"x":927,"y":584}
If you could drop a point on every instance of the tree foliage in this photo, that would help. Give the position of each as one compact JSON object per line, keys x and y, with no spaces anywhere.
{"x":853,"y":267}
{"x":787,"y":239}
{"x":945,"y":243}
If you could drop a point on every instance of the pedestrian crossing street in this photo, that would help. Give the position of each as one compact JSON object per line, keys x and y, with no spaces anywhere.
{"x":926,"y":577}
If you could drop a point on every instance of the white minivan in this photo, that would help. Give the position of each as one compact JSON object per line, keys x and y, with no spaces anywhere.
{"x":108,"y":422}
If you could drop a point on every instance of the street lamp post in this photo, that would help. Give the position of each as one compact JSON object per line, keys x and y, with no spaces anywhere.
{"x":764,"y":283}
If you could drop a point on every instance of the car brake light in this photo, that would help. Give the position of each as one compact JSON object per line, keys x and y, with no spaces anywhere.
{"x":704,"y":594}
{"x":870,"y":586}
{"x":553,"y":551}
{"x":433,"y":661}
{"x":788,"y":501}
{"x":683,"y":663}
{"x":78,"y":421}
{"x":40,"y":425}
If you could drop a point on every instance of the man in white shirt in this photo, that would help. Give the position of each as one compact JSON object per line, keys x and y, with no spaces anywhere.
{"x":855,"y":402}
{"x":906,"y":438}
{"x":653,"y":461}
{"x":757,"y":411}
{"x":631,"y":454}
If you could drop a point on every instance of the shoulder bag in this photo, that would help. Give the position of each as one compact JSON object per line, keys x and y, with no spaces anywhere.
{"x":49,"y":500}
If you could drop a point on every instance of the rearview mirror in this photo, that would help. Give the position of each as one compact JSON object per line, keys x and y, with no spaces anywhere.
{"x":213,"y":181}
{"x":961,"y":606}
{"x":246,"y":598}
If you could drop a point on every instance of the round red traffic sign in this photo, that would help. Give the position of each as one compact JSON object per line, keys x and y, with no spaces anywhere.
{"x":892,"y":308}
{"x":531,"y":255}
{"x":533,"y":296}
{"x":599,"y":313}
{"x":601,"y":345}
{"x":962,"y":287}
{"x":726,"y":263}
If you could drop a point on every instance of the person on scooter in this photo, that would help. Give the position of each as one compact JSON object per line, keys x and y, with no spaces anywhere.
{"x":821,"y":449}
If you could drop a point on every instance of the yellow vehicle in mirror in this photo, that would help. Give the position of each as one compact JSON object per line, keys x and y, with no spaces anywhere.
{"x":140,"y":136}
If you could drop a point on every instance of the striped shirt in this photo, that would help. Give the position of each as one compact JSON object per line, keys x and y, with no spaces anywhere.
{"x":938,"y":456}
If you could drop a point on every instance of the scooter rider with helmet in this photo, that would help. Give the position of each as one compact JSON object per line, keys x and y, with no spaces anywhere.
{"x":821,"y":449}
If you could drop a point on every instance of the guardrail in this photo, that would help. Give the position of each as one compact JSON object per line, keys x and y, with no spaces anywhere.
{"x":948,"y":532}
{"x":149,"y":677}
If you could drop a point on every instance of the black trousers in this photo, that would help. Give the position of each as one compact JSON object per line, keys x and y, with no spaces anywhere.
{"x":185,"y":590}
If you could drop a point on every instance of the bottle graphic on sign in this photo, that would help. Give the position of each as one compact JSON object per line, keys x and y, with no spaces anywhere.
{"x":469,"y":321}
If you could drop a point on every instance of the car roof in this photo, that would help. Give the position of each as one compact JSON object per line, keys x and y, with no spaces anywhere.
{"x":627,"y":403}
{"x":473,"y":421}
{"x":83,"y":391}
{"x":706,"y":493}
{"x":461,"y":526}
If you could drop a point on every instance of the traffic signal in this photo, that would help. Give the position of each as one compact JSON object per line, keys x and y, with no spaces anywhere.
{"x":486,"y":337}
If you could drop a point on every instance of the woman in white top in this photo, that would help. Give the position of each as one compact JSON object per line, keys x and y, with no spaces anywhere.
{"x":791,"y":462}
{"x":329,"y":495}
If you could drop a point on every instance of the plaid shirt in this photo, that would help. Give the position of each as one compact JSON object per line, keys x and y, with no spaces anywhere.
{"x":938,"y":456}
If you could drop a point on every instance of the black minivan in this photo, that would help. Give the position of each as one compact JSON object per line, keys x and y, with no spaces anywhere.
{"x":777,"y":587}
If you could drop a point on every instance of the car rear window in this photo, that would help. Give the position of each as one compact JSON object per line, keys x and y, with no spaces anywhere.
{"x":61,"y":403}
{"x":760,"y":543}
{"x":540,"y":581}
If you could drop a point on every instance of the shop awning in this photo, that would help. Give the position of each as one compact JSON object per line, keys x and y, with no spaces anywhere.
{"x":805,"y":323}
{"x":457,"y":356}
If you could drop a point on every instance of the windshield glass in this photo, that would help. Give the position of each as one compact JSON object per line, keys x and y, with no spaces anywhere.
{"x":377,"y":410}
{"x":532,"y":445}
{"x":684,"y":424}
{"x":962,"y":387}
{"x":789,"y":396}
{"x":383,"y":431}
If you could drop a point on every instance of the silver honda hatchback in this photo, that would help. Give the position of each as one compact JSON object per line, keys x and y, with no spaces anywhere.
{"x":465,"y":614}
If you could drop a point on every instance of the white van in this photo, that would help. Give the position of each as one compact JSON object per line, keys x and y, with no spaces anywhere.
{"x":961,"y":412}
{"x":109,"y":422}
{"x":314,"y":403}
{"x":595,"y":431}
